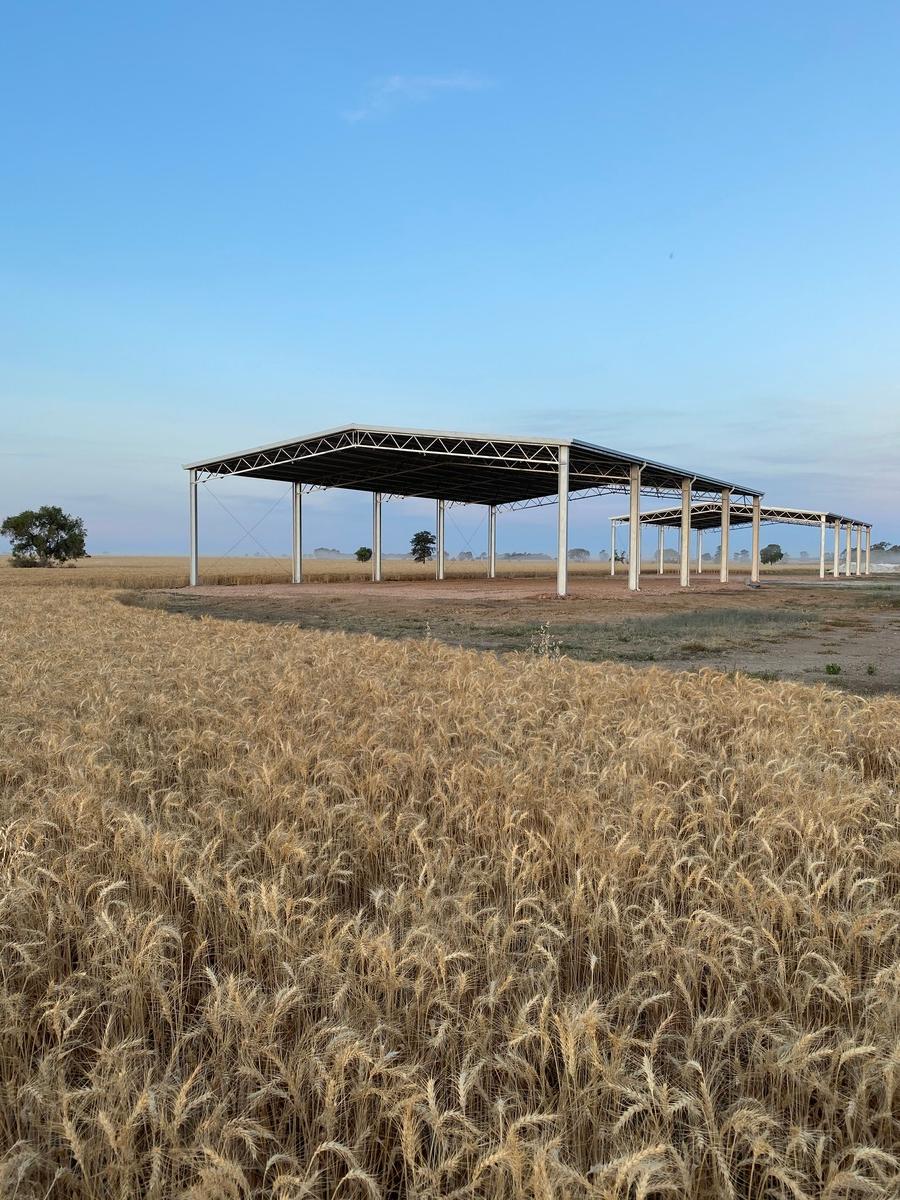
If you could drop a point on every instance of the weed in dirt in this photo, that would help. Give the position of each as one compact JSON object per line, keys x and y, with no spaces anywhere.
{"x":832,"y":668}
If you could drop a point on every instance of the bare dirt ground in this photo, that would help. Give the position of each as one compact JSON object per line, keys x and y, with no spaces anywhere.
{"x":842,"y":632}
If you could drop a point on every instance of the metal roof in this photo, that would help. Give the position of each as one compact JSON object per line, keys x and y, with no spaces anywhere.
{"x":506,"y":471}
{"x":708,"y":515}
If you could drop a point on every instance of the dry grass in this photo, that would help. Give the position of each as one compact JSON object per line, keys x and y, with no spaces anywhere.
{"x":134,"y":571}
{"x":288,"y":914}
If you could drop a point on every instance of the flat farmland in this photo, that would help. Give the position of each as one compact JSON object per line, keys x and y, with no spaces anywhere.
{"x":291,"y":913}
{"x":844,"y":633}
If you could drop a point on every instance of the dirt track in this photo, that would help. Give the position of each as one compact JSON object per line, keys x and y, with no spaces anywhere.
{"x":790,"y":627}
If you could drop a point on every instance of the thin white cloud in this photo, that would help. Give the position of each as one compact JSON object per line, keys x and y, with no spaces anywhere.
{"x":385,"y":95}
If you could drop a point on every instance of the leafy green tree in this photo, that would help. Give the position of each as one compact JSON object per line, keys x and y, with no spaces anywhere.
{"x":363,"y":554}
{"x":44,"y":537}
{"x":771,"y":554}
{"x":422,"y":545}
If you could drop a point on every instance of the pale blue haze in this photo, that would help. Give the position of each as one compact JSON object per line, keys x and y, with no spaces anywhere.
{"x":671,"y":228}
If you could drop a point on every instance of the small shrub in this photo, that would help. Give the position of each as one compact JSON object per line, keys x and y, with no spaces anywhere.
{"x":543,"y":643}
{"x":871,"y":669}
{"x":832,"y":669}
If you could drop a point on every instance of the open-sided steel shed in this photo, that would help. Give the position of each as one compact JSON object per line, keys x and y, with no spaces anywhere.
{"x":499,"y":472}
{"x":710,"y":514}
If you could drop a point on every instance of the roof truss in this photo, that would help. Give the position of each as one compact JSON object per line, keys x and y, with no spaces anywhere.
{"x":459,"y":468}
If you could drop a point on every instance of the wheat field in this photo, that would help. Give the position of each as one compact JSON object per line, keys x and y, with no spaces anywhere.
{"x":289,"y":915}
{"x":160,"y":571}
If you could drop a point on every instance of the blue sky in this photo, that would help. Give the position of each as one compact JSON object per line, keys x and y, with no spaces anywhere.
{"x":670,"y":228}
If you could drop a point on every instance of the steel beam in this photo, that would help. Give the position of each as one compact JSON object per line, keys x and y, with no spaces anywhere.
{"x":837,"y":548}
{"x":660,"y":550}
{"x":376,"y":537}
{"x":868,"y":548}
{"x":562,"y":523}
{"x":822,"y":547}
{"x":859,"y":535}
{"x":612,"y":546}
{"x":726,"y":529}
{"x":699,"y":551}
{"x":634,"y":530}
{"x":685,"y":544}
{"x":296,"y":533}
{"x":492,"y":541}
{"x":754,"y":542}
{"x":194,"y":551}
{"x":439,"y":556}
{"x":847,"y":557}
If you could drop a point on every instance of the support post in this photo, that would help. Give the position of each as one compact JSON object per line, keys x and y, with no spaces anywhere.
{"x":837,"y":549}
{"x":868,"y":548}
{"x":822,"y":547}
{"x":726,"y":529}
{"x":296,"y":533}
{"x":859,"y":537}
{"x":194,"y":551}
{"x":660,"y":550}
{"x":634,"y":529}
{"x":685,"y":545}
{"x":376,"y":537}
{"x":849,"y":528}
{"x":492,"y":541}
{"x":699,"y":551}
{"x":612,"y":547}
{"x":754,"y":543}
{"x":562,"y":525}
{"x":439,"y":557}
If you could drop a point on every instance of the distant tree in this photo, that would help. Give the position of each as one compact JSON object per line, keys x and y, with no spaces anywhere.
{"x":363,"y":554}
{"x":44,"y":537}
{"x":743,"y":555}
{"x":422,"y":545}
{"x":804,"y":554}
{"x":465,"y":556}
{"x":771,"y":553}
{"x":882,"y":547}
{"x":579,"y":554}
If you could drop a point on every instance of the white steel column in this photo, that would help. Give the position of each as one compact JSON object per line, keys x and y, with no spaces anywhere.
{"x":612,"y":547}
{"x":685,"y":545}
{"x":726,"y":529}
{"x":660,"y":550}
{"x":376,"y":537}
{"x":634,"y":529}
{"x":296,"y":534}
{"x":195,"y":554}
{"x":822,"y":547}
{"x":562,"y":526}
{"x":754,"y":543}
{"x":847,"y":556}
{"x":439,"y":557}
{"x":868,"y":547}
{"x":492,"y":541}
{"x":837,"y":549}
{"x":699,"y":551}
{"x":859,"y":535}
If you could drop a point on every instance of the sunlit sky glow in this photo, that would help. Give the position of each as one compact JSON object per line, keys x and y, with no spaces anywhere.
{"x":672,"y":229}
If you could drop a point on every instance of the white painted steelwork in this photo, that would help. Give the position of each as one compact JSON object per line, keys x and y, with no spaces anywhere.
{"x":376,"y":537}
{"x":296,"y":534}
{"x":726,"y":529}
{"x":194,"y":552}
{"x":634,"y":530}
{"x":562,"y":524}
